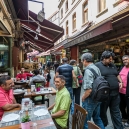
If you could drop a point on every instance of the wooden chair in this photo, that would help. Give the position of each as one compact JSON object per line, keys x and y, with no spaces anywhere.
{"x":19,"y":97}
{"x":68,"y":117}
{"x":79,"y":117}
{"x":91,"y":125}
{"x":39,"y":99}
{"x":23,"y":84}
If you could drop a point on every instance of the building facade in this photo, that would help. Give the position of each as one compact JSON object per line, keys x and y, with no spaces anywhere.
{"x":87,"y":22}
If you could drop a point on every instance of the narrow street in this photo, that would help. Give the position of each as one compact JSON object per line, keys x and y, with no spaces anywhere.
{"x":36,"y":35}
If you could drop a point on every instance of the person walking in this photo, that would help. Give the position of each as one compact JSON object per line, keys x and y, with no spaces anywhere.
{"x":40,"y":69}
{"x":49,"y":64}
{"x":67,"y":71}
{"x":124,"y":96}
{"x":92,"y":107}
{"x":76,"y":88}
{"x":56,"y":64}
{"x":47,"y":77}
{"x":109,"y":72}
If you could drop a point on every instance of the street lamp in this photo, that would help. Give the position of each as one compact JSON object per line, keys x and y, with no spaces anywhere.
{"x":41,"y":14}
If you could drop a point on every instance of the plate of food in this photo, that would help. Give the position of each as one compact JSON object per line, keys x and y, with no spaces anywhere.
{"x":18,"y":91}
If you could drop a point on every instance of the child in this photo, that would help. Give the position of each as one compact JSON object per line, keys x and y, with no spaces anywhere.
{"x":47,"y":76}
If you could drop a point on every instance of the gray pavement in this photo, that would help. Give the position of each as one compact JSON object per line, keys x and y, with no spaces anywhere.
{"x":52,"y":98}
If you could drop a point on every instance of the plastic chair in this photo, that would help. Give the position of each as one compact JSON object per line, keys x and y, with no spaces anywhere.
{"x":91,"y":125}
{"x":79,"y":117}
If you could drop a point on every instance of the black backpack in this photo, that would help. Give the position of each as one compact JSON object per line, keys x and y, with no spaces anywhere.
{"x":100,"y":89}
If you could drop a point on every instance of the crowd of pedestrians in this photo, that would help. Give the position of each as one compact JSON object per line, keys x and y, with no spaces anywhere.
{"x":69,"y":79}
{"x":117,"y":100}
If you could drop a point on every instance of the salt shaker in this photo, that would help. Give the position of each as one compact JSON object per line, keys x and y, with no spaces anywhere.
{"x":35,"y":126}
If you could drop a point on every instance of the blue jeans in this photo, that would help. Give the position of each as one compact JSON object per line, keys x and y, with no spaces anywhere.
{"x":93,"y":109}
{"x":70,"y":89}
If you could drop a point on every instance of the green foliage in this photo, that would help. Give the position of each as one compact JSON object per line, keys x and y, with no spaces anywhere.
{"x":38,"y":84}
{"x":25,"y":119}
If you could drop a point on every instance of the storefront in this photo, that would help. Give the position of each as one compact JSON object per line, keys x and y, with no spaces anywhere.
{"x":6,"y":41}
{"x":6,"y":56}
{"x":111,"y":34}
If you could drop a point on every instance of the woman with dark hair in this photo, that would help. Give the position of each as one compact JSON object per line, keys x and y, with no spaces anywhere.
{"x":109,"y":72}
{"x":76,"y":87}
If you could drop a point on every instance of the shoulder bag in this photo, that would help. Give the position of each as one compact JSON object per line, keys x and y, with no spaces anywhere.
{"x":79,"y":77}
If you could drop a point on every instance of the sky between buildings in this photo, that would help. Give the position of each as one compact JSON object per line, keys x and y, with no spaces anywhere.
{"x":50,"y":6}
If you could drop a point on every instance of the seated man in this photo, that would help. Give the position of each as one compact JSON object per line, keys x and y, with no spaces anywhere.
{"x":23,"y":75}
{"x":62,"y":103}
{"x":37,"y":77}
{"x":7,"y":100}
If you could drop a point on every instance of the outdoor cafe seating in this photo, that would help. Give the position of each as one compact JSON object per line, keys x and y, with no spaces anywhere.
{"x":39,"y":116}
{"x":28,"y":93}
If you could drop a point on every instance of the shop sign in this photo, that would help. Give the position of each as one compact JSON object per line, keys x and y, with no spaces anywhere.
{"x":80,"y":39}
{"x":63,"y":53}
{"x":90,"y":34}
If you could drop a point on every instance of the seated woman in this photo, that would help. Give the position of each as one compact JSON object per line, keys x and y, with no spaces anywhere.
{"x":37,"y":77}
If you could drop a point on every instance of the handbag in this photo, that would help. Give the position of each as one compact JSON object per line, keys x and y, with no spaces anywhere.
{"x":79,"y":77}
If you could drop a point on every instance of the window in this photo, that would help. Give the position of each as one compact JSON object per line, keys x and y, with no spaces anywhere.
{"x":66,"y":5}
{"x":61,"y":13}
{"x":102,"y":5}
{"x":85,"y":12}
{"x":74,"y":21}
{"x":67,"y":28}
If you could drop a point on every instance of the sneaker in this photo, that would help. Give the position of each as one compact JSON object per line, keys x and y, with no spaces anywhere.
{"x":124,"y":120}
{"x":126,"y":124}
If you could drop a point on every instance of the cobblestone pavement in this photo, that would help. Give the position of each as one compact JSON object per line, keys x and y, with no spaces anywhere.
{"x":52,"y":98}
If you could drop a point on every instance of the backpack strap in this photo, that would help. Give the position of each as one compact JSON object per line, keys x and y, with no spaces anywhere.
{"x":94,"y":72}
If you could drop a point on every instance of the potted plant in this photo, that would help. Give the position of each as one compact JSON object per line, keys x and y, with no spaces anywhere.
{"x":25,"y":122}
{"x":38,"y":86}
